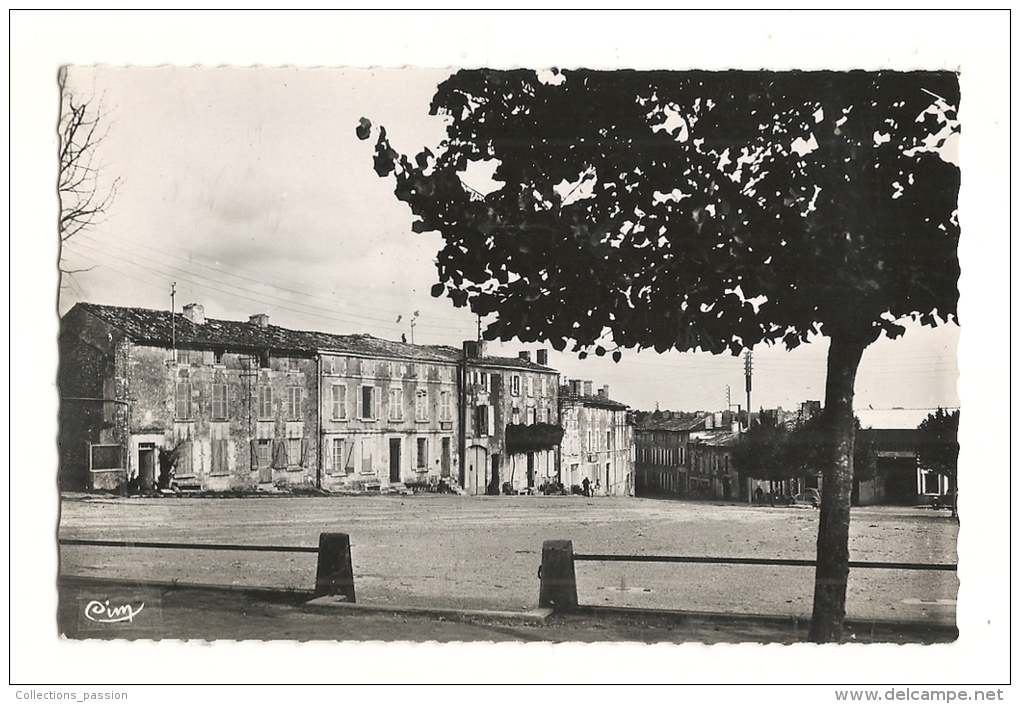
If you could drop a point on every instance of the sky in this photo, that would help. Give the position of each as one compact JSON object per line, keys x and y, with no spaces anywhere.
{"x":191,"y":212}
{"x":248,"y":191}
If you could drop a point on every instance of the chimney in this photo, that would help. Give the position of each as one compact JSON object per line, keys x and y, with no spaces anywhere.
{"x":575,"y":387}
{"x":708,"y":422}
{"x":260,"y":320}
{"x":542,"y":357}
{"x":473,"y":349}
{"x":525,"y":355}
{"x":195,"y":313}
{"x":604,"y":393}
{"x":587,"y":388}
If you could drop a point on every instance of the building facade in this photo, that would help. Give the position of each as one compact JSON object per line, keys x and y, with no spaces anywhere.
{"x":244,"y":405}
{"x":598,"y":441}
{"x":661,"y":452}
{"x":388,"y":415}
{"x":223,"y":404}
{"x":509,"y":419}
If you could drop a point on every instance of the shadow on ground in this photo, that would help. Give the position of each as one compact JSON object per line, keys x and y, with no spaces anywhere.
{"x":96,"y":611}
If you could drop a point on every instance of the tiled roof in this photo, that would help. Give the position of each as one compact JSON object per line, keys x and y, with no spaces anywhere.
{"x":720,"y":438}
{"x":671,"y":424}
{"x":155,"y":327}
{"x":594,"y":401}
{"x":511,"y":362}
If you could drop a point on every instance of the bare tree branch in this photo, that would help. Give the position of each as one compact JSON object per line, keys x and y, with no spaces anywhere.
{"x":84,"y":198}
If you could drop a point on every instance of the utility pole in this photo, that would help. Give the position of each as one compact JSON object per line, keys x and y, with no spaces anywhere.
{"x":747,"y":381}
{"x":173,"y":321}
{"x":413,"y":319}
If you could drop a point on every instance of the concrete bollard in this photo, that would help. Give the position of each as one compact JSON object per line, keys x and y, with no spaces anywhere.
{"x":558,"y":587}
{"x":335,"y":573}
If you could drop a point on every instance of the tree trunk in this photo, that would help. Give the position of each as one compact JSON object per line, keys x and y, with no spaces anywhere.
{"x":831,"y":568}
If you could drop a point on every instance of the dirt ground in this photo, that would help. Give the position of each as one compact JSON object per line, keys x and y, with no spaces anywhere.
{"x":208,"y":615}
{"x":484,"y":552}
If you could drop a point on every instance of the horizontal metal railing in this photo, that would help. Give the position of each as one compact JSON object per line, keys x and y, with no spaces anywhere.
{"x":188,"y":546}
{"x":761,"y":561}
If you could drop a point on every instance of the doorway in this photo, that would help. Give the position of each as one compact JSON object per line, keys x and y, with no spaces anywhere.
{"x":493,"y":487}
{"x":444,"y":470}
{"x":531,"y":470}
{"x":394,"y":460}
{"x":146,"y":466}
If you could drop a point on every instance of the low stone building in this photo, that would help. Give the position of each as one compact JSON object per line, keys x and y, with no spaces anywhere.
{"x":232,"y":404}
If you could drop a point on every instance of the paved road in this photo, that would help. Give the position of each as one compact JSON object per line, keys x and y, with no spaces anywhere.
{"x":484,"y":552}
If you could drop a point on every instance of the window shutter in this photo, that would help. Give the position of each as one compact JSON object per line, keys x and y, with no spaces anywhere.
{"x":254,"y":455}
{"x":304,"y":452}
{"x":280,"y":455}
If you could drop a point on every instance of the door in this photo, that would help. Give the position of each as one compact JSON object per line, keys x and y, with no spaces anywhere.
{"x":146,"y":466}
{"x":395,"y":460}
{"x":494,"y":487}
{"x":265,"y":450}
{"x":445,"y":467}
{"x":531,"y":470}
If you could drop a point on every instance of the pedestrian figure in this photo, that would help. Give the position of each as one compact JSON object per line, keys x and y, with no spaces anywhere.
{"x":586,"y":486}
{"x":759,"y":496}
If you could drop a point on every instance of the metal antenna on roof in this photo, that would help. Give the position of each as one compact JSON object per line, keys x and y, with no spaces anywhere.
{"x":173,"y":321}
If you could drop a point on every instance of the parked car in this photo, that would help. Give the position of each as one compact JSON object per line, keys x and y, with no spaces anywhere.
{"x":808,"y":496}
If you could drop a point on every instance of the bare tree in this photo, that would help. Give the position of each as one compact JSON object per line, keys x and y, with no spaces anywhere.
{"x":83,"y":197}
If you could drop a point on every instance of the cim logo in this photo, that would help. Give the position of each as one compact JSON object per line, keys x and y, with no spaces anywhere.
{"x":132,"y":609}
{"x":103,"y":612}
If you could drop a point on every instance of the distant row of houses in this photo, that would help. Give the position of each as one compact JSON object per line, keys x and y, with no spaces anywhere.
{"x":239,"y":405}
{"x":689,"y":455}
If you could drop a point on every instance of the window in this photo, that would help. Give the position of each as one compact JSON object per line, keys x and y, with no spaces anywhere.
{"x":515,"y":385}
{"x":263,"y":456}
{"x":293,"y":364}
{"x":265,"y":402}
{"x":219,"y":401}
{"x":264,"y":359}
{"x":339,"y":401}
{"x":294,"y":402}
{"x":530,"y":385}
{"x":609,"y":440}
{"x":218,"y":462}
{"x":532,"y":416}
{"x":421,"y":405}
{"x":368,"y":402}
{"x":396,"y":403}
{"x":423,"y":454}
{"x":294,"y":451}
{"x":481,"y":421}
{"x":183,"y":400}
{"x":217,"y":357}
{"x":338,"y":456}
{"x":445,"y":408}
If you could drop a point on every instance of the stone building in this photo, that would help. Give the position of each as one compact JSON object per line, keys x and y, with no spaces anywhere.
{"x":234,"y":404}
{"x":598,"y":443}
{"x":660,"y":441}
{"x":509,"y":421}
{"x":388,"y":415}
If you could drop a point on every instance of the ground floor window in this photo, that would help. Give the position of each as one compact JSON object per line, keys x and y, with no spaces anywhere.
{"x":423,"y":454}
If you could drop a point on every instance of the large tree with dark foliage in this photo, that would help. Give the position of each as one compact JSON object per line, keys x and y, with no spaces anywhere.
{"x":699,"y":210}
